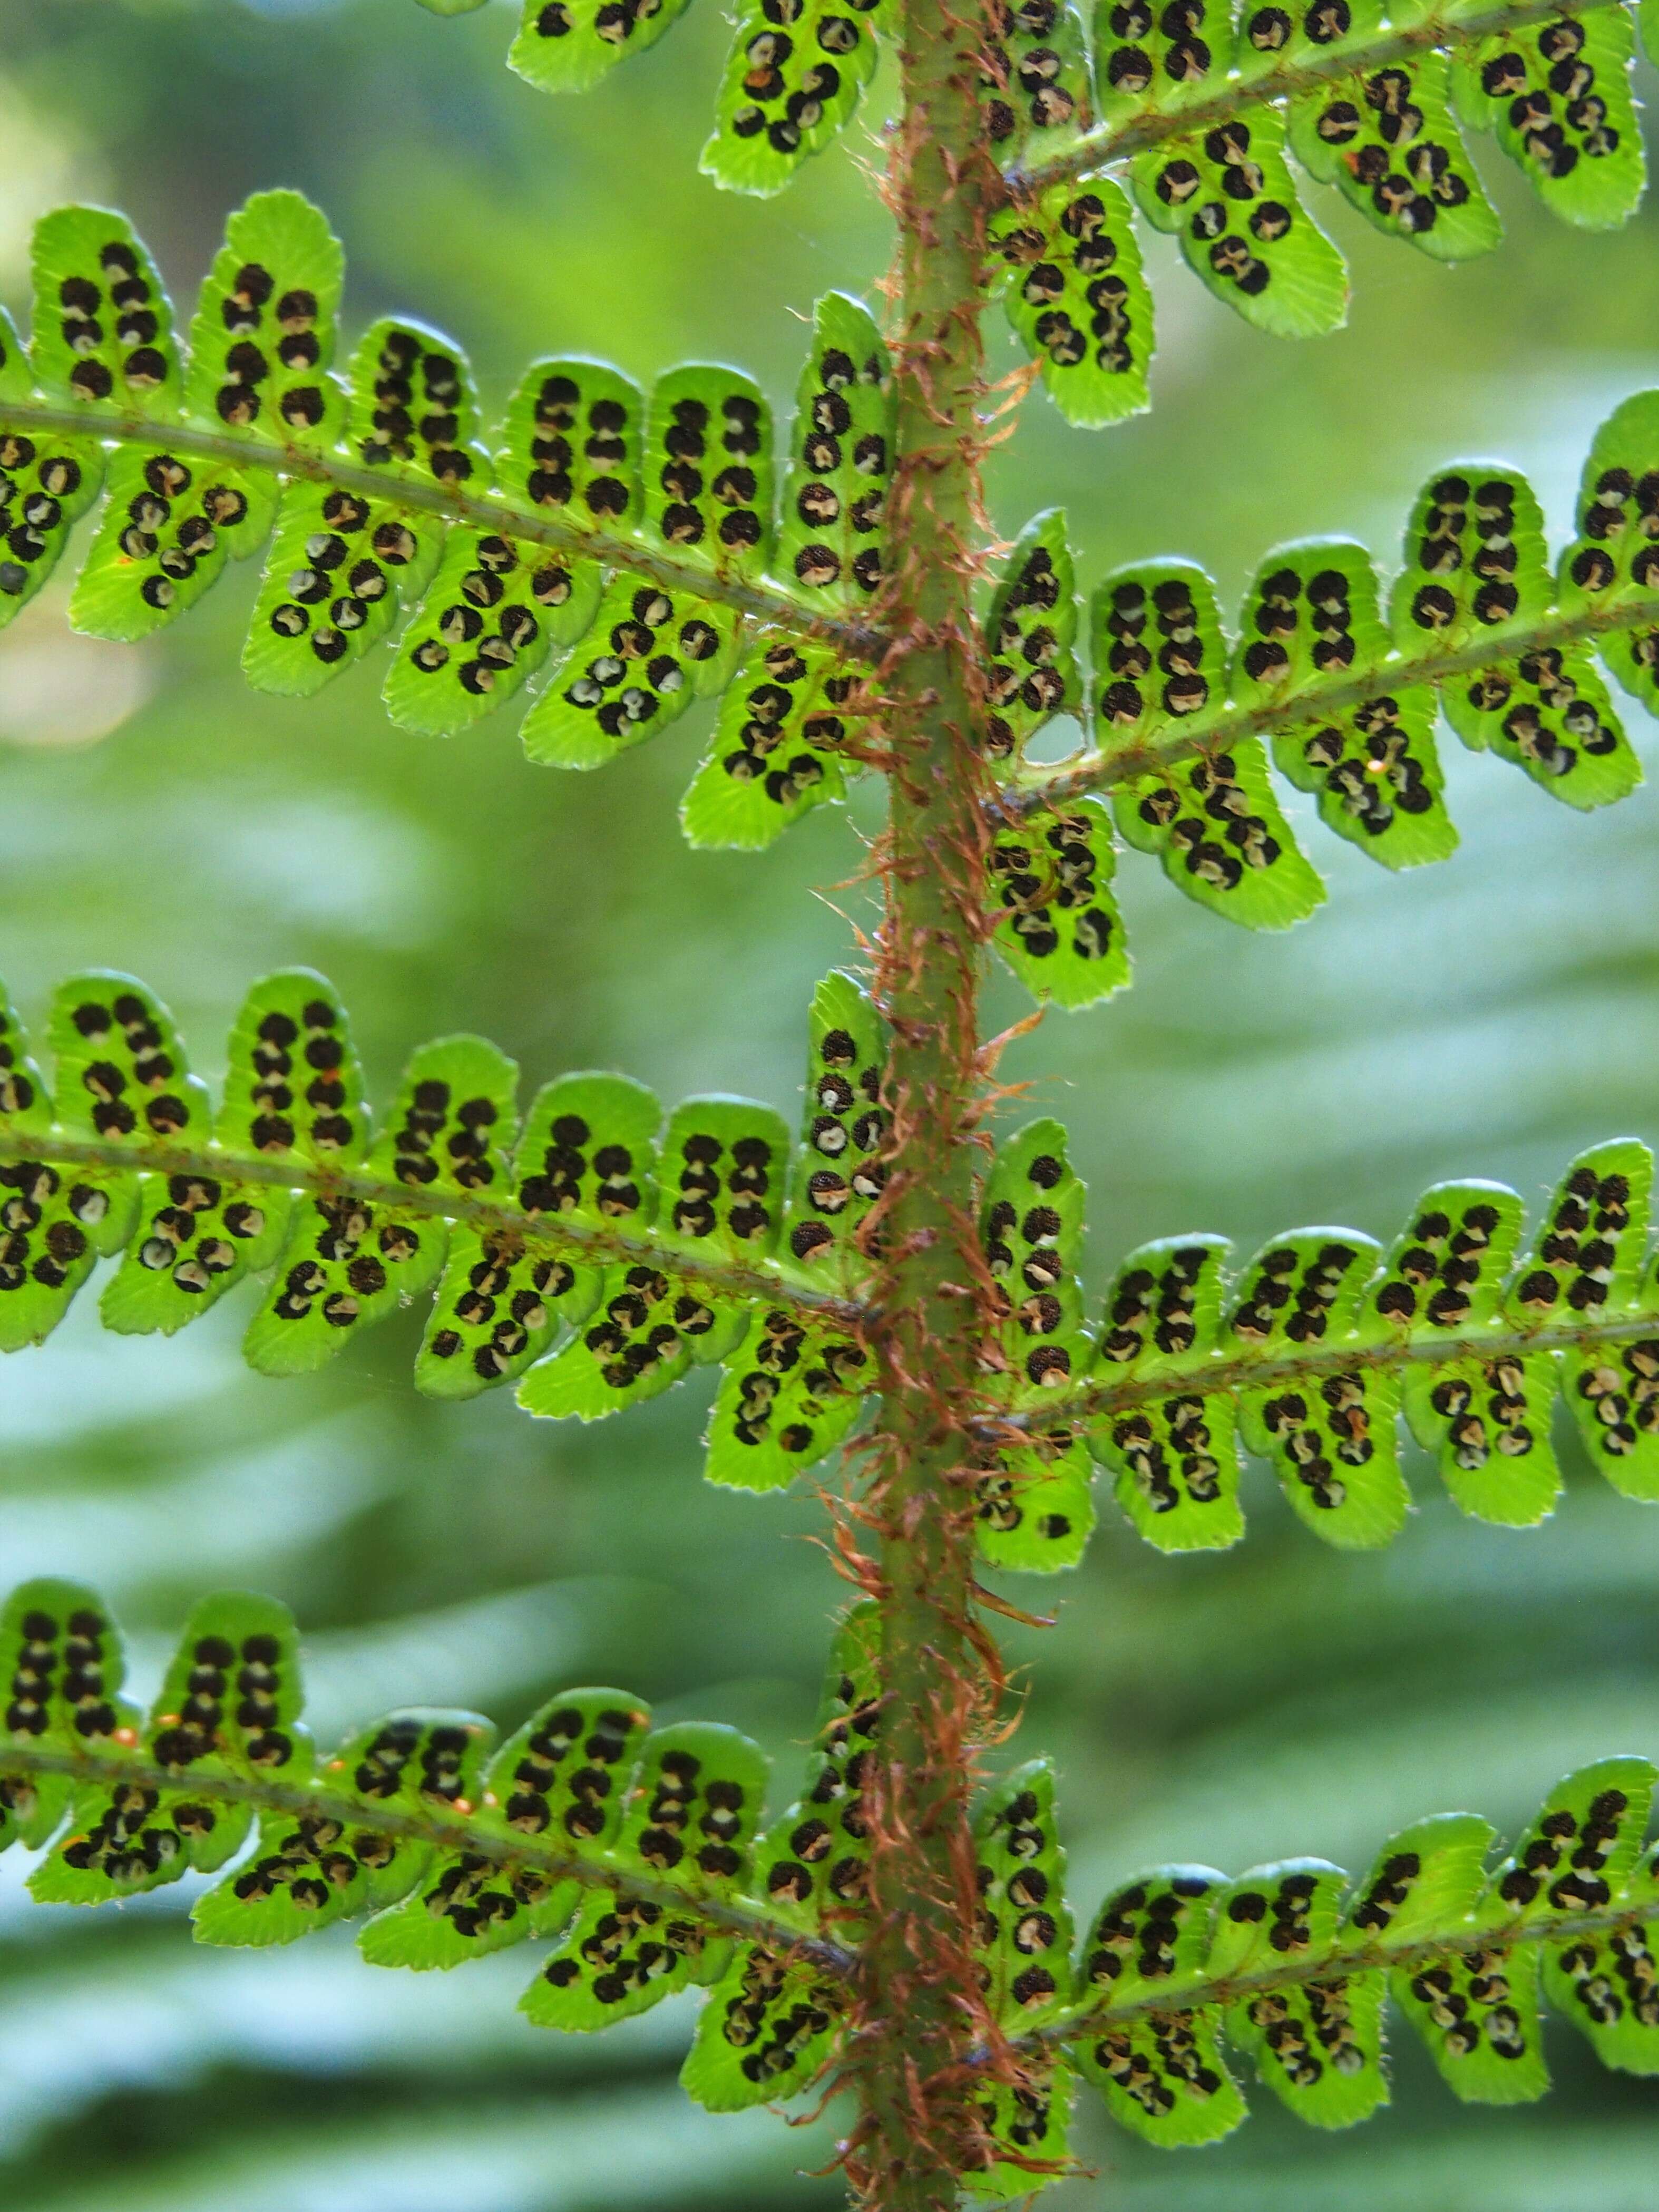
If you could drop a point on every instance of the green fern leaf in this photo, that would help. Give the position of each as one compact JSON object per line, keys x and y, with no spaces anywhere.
{"x":1025,"y":1924}
{"x":647,"y":1331}
{"x":789,"y":1394}
{"x":1388,"y":140}
{"x":47,"y":481}
{"x":1487,"y":1421}
{"x":1176,"y":1457}
{"x":1162,"y":2075}
{"x":1034,"y":78}
{"x":1549,"y":713}
{"x":772,"y":2020}
{"x":1290,"y":1910}
{"x":201,"y":1233}
{"x":812,"y":1863}
{"x":1228,"y":195}
{"x":1160,"y":659}
{"x":166,"y":530}
{"x":63,"y":1665}
{"x":840,"y":461}
{"x":570,"y":444}
{"x":1422,"y":1884}
{"x":777,"y":752}
{"x":1604,"y":1984}
{"x":692,"y":1810}
{"x":309,"y":1868}
{"x":1474,"y":559}
{"x":230,"y":1705}
{"x":794,"y":79}
{"x":1376,"y":771}
{"x":121,"y":1080}
{"x":498,"y":1309}
{"x":839,"y":1172}
{"x":1270,"y":37}
{"x":1181,"y":53}
{"x":1311,"y":614}
{"x":707,"y":475}
{"x":1557,"y":95}
{"x":576,"y":1755}
{"x":1035,"y":1509}
{"x":1078,"y":299}
{"x":341,"y":565}
{"x":1026,"y":2126}
{"x":1031,"y":1232}
{"x":658,"y":651}
{"x":1332,"y":1442}
{"x":1033,"y":1506}
{"x":102,"y":335}
{"x":722,"y":1171}
{"x":1317,"y":2044}
{"x":567,"y":45}
{"x":1476,"y":564}
{"x":263,"y":333}
{"x":1614,"y":554}
{"x":708,"y":491}
{"x":1030,"y":638}
{"x":1059,"y":930}
{"x":587,"y":1155}
{"x":348,"y":1263}
{"x":1217,"y":827}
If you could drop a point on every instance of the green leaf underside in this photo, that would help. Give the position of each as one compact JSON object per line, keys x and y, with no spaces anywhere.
{"x":623,"y":1846}
{"x":778,"y":750}
{"x":1059,"y":929}
{"x":1227,"y":194}
{"x":1078,"y":301}
{"x":794,"y":79}
{"x":733,"y":1234}
{"x":1558,"y":96}
{"x":1034,"y":78}
{"x":1388,"y":140}
{"x":689,"y":480}
{"x":1031,"y":636}
{"x":567,"y":45}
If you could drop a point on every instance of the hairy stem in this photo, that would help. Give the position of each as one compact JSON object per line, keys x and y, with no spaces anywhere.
{"x":766,"y":603}
{"x":1106,"y":766}
{"x":446,"y":1832}
{"x":534,"y":1232}
{"x":916,"y":2025}
{"x":1156,"y":124}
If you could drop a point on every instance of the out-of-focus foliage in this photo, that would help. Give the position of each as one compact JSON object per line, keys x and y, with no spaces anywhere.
{"x":1496,"y":1010}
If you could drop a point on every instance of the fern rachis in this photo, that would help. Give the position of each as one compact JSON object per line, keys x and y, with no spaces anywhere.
{"x":880,"y":1277}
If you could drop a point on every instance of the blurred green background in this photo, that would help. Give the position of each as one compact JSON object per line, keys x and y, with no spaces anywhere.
{"x":1488,"y":1016}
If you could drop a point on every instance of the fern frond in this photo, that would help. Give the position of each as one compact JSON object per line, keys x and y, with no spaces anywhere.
{"x":639,"y":1855}
{"x":1375,"y":109}
{"x":599,"y":1256}
{"x":1276,"y":1964}
{"x":290,"y":1177}
{"x":454,"y":1846}
{"x":1322,"y":1340}
{"x":586,"y":514}
{"x":1187,"y":74}
{"x":1346,"y":693}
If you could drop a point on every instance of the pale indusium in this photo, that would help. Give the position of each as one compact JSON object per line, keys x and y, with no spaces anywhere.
{"x":604,"y":557}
